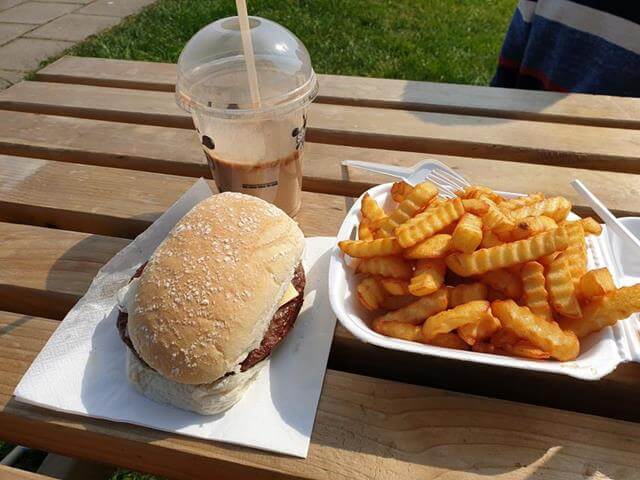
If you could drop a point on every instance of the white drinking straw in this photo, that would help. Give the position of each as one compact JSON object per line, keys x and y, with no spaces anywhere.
{"x":247,"y":46}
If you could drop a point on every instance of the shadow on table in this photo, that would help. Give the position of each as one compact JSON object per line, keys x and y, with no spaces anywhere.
{"x":7,"y":328}
{"x":430,"y":128}
{"x":432,"y":428}
{"x":515,"y":104}
{"x":287,"y":371}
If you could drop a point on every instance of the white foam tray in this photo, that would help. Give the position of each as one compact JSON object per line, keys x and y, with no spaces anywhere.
{"x":600,"y":352}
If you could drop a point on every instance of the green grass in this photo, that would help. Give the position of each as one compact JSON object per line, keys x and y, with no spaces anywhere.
{"x":453,"y":41}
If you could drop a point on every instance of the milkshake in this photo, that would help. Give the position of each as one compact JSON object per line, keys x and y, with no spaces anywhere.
{"x":253,"y":148}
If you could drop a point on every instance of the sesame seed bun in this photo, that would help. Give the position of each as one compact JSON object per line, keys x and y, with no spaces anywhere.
{"x":208,"y":293}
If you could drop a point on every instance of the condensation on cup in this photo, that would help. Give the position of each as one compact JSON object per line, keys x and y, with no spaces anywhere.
{"x":253,"y":149}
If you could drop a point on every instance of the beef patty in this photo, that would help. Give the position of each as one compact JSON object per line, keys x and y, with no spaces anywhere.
{"x":280,"y":324}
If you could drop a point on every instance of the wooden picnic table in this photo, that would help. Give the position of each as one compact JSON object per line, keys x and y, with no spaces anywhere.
{"x":94,"y":150}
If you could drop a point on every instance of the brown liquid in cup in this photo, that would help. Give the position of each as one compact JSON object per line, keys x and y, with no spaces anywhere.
{"x":278,"y":181}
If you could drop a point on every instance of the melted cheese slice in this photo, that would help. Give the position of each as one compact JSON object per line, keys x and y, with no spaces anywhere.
{"x":289,"y":294}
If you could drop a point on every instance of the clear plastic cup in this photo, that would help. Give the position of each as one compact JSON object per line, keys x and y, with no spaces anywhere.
{"x":253,"y":149}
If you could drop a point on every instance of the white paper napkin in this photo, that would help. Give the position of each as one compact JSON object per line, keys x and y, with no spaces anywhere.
{"x":81,"y":369}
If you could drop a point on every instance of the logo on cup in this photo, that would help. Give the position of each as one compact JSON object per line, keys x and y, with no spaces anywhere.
{"x":299,"y":133}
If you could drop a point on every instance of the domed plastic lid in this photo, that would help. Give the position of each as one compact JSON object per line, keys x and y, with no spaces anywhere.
{"x":213,"y":77}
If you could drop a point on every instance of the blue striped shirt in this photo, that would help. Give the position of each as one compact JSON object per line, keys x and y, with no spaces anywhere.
{"x":588,"y":46}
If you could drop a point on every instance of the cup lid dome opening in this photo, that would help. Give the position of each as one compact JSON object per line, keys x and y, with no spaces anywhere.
{"x":212,"y":71}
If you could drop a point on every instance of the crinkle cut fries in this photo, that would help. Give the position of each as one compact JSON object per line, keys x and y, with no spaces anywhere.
{"x":484,"y":273}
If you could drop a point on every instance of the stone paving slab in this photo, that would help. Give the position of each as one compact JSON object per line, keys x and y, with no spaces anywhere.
{"x":33,"y":30}
{"x":4,"y":4}
{"x":79,"y":2}
{"x":36,"y":12}
{"x":11,"y":76}
{"x":9,"y":31}
{"x":13,"y":56}
{"x":116,"y":8}
{"x":73,"y":27}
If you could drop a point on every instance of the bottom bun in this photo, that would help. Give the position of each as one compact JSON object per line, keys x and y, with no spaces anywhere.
{"x":207,"y":399}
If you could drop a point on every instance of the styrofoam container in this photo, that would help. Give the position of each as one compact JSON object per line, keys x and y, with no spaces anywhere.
{"x":600,"y":352}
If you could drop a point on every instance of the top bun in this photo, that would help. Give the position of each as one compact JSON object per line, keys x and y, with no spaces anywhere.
{"x":210,"y":290}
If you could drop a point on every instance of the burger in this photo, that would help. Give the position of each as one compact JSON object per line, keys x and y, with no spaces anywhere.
{"x":202,"y":316}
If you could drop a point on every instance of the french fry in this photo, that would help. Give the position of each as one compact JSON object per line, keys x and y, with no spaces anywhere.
{"x":496,"y":295}
{"x":402,"y":330}
{"x":364,"y":229}
{"x":370,"y":209}
{"x":489,"y":239}
{"x":590,"y":226}
{"x":448,"y":230}
{"x":505,"y":342}
{"x":429,"y":222}
{"x":437,"y":246}
{"x":395,"y":302}
{"x":605,"y":311}
{"x":434,"y":202}
{"x":467,"y":292}
{"x":548,"y":259}
{"x":412,"y":204}
{"x":508,"y":254}
{"x":400,"y":191}
{"x":449,"y":340}
{"x":555,"y":207}
{"x":449,"y":320}
{"x":520,"y":202}
{"x":596,"y":283}
{"x":576,"y":251}
{"x":562,"y":292}
{"x":525,"y":349}
{"x":504,"y":281}
{"x":528,"y":227}
{"x":467,"y":235}
{"x":380,"y":247}
{"x":547,"y":336}
{"x":475,"y":206}
{"x":479,"y":331}
{"x":515,"y":269}
{"x":478,"y":191}
{"x":417,"y":311}
{"x":394,"y":286}
{"x":504,"y":337}
{"x":428,"y":277}
{"x":497,"y":220}
{"x":484,"y":347}
{"x":535,"y":293}
{"x":370,"y":293}
{"x":393,"y":267}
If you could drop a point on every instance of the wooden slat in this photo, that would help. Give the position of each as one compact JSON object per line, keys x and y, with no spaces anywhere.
{"x":115,"y":104}
{"x":605,"y":397}
{"x":63,"y":265}
{"x":50,"y":263}
{"x":515,"y":140}
{"x":116,"y":202}
{"x":139,"y":147}
{"x":365,"y":428}
{"x":175,"y":151}
{"x":9,"y":473}
{"x":597,"y":110}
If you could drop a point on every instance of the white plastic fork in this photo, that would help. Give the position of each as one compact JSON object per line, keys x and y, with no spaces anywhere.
{"x":447,"y":181}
